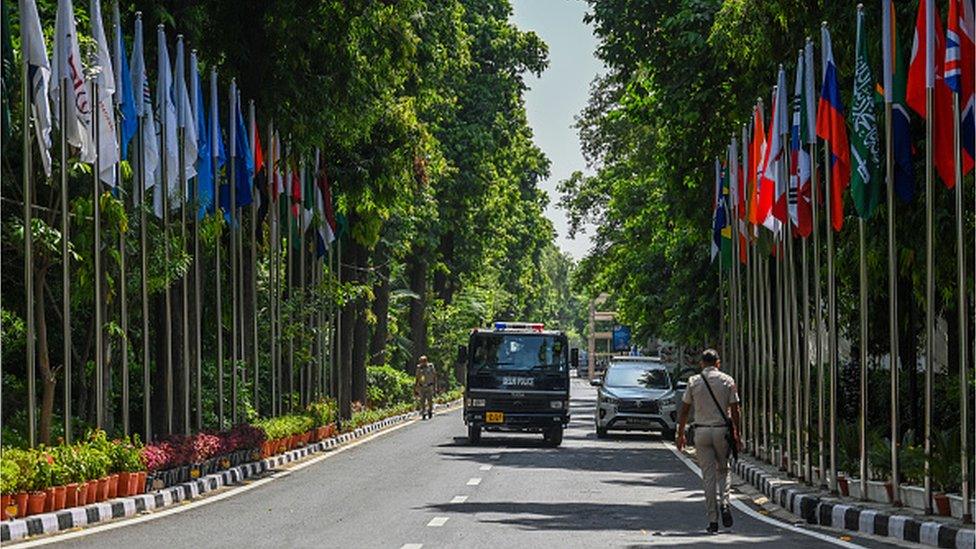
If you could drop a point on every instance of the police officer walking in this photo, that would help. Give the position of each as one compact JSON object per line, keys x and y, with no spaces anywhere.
{"x":424,"y":386}
{"x":714,"y":397}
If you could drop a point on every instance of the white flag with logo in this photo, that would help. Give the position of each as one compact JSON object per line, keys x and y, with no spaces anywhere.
{"x":144,"y":109}
{"x":167,"y":120}
{"x":66,"y":63}
{"x":39,"y":76}
{"x":107,"y":140}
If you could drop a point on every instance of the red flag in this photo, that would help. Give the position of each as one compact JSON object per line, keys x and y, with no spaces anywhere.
{"x":756,"y":152}
{"x":920,"y":78}
{"x":258,"y":152}
{"x":832,"y":128}
{"x":296,"y":192}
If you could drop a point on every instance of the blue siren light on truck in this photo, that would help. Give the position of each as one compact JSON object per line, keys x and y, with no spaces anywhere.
{"x":534,"y":326}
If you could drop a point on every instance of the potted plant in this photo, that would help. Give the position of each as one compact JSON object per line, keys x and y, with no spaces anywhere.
{"x":9,"y":479}
{"x":945,"y":470}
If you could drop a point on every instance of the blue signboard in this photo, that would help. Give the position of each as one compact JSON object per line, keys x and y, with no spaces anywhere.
{"x":621,"y":338}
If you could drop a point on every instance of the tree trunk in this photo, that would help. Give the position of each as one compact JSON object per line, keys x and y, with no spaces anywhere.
{"x":48,"y":378}
{"x":418,"y":307}
{"x":360,"y":344}
{"x":347,"y":318}
{"x":442,"y":284}
{"x":381,"y":308}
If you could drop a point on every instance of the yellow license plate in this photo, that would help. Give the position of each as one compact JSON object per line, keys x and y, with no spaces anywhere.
{"x":494,"y":417}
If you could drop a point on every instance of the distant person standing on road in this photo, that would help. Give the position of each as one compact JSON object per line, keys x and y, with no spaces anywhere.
{"x":714,"y":397}
{"x":424,"y":385}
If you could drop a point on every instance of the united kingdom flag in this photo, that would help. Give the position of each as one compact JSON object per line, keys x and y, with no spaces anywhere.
{"x":959,"y":70}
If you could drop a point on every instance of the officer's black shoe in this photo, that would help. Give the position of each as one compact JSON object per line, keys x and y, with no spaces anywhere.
{"x":726,"y":516}
{"x":712,"y":528}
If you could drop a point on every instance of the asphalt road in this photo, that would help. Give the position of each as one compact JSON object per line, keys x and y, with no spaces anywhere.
{"x":423,"y":485}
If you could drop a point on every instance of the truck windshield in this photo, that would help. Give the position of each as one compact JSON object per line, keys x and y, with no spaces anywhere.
{"x":630,"y":376}
{"x":518,"y":352}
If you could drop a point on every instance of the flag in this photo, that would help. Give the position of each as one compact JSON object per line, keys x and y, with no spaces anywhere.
{"x":39,"y":76}
{"x":327,"y":223}
{"x":216,"y":136}
{"x":865,"y":146}
{"x":960,"y":70}
{"x":772,"y":189}
{"x":721,"y":231}
{"x":757,"y":151}
{"x":66,"y":64}
{"x":244,"y":167}
{"x":832,"y":129}
{"x":184,"y":118}
{"x":167,"y":120}
{"x":799,"y":193}
{"x":108,"y":145}
{"x":205,"y":179}
{"x":926,"y":71}
{"x":7,"y":73}
{"x":894,"y":93}
{"x":130,"y":122}
{"x":260,"y":180}
{"x":144,"y":109}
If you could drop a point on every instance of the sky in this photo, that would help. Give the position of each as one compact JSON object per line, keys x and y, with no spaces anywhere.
{"x":553,"y":101}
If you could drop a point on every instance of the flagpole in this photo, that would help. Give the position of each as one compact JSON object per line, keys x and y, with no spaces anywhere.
{"x":796,"y":459}
{"x":273,"y":262}
{"x":143,"y":247}
{"x":232,"y":183}
{"x":749,"y":317}
{"x":770,"y":377}
{"x":123,"y":297}
{"x":929,"y":253}
{"x":807,"y":379}
{"x":963,"y":317}
{"x":197,"y":294}
{"x":168,"y":319}
{"x":252,"y":124}
{"x":219,"y":307}
{"x":97,"y":260}
{"x":65,"y":266}
{"x":184,"y":297}
{"x":290,"y":286}
{"x":893,"y":365}
{"x":29,"y":258}
{"x":303,"y":368}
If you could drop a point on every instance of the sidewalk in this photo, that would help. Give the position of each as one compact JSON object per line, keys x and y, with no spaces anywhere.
{"x":816,"y":506}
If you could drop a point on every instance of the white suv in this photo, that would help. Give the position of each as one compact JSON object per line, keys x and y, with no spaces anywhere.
{"x":636,"y":394}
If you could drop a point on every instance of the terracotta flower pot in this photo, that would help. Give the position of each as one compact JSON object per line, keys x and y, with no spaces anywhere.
{"x":125,"y":479}
{"x":133,"y":486}
{"x":5,"y":501}
{"x":942,"y":505}
{"x":101,"y":493}
{"x":20,"y":500}
{"x":71,"y":494}
{"x":49,"y":499}
{"x":91,"y":494}
{"x":141,"y":485}
{"x":113,"y":486}
{"x":842,"y":485}
{"x":35,"y":503}
{"x":60,"y":495}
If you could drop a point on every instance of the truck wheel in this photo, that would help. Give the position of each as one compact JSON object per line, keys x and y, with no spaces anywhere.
{"x":601,"y":432}
{"x":554,"y":436}
{"x":474,"y":434}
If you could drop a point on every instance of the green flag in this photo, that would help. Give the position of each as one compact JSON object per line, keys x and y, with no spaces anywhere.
{"x":865,"y":154}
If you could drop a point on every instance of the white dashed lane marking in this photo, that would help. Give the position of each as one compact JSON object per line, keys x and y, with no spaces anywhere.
{"x":459,"y":499}
{"x":474,"y":481}
{"x":495,"y":456}
{"x":437,"y":521}
{"x":412,"y":546}
{"x":485,"y":468}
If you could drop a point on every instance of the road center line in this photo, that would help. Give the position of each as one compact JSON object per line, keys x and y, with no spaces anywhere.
{"x":437,"y":521}
{"x":495,"y":456}
{"x":412,"y":546}
{"x":474,"y":481}
{"x":485,"y":468}
{"x":459,"y":499}
{"x":749,"y":511}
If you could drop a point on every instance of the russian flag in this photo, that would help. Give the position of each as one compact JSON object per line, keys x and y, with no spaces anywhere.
{"x":832,"y":128}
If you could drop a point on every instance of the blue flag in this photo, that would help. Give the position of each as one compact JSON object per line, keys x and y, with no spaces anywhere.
{"x":130,"y":122}
{"x":204,"y":172}
{"x":244,"y":169}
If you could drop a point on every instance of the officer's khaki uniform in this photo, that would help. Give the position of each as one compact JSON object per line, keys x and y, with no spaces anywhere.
{"x":426,"y":378}
{"x":711,"y":448}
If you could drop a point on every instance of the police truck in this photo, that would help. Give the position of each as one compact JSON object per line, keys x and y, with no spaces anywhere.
{"x":516,"y":379}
